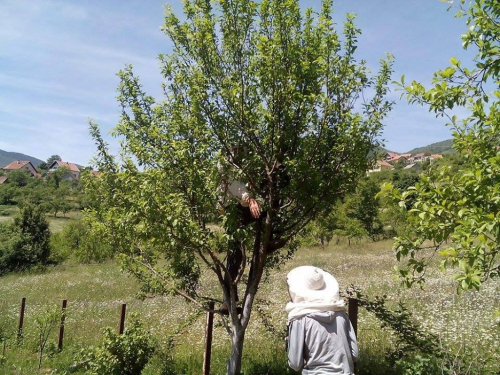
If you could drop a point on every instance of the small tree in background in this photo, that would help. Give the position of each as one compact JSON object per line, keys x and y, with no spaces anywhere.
{"x":42,"y":166}
{"x":55,"y":178}
{"x":19,"y":178}
{"x":279,"y":83}
{"x":364,"y":206}
{"x":78,"y":242}
{"x":25,"y":243}
{"x":52,"y":159}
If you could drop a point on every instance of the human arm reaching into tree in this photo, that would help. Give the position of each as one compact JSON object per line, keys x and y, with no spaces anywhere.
{"x":238,"y":190}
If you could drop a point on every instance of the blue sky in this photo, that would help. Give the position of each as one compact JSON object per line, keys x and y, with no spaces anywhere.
{"x":59,"y":59}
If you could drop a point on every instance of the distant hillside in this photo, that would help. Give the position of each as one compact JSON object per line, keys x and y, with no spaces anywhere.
{"x":444,"y":147}
{"x":8,"y":157}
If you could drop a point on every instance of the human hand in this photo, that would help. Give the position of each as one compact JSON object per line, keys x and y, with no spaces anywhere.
{"x":254,"y":208}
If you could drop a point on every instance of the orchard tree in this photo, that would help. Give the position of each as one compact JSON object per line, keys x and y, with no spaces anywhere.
{"x":56,"y":177}
{"x":276,"y":81}
{"x":52,"y":159}
{"x":42,"y":166}
{"x":456,"y":213}
{"x":364,"y":206}
{"x":19,"y":177}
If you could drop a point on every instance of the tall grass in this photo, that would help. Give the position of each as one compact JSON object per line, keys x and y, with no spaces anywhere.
{"x":464,"y":324}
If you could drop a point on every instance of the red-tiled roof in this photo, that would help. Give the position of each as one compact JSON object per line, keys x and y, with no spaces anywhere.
{"x":392,"y":154}
{"x":383,"y":163}
{"x":71,"y":166}
{"x":3,"y":179}
{"x":17,"y":164}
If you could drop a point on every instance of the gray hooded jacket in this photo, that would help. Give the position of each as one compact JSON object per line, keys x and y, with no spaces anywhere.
{"x":322,"y":343}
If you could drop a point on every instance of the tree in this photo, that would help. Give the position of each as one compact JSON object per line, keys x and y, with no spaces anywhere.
{"x":321,"y":230}
{"x":8,"y":193}
{"x":355,"y":217}
{"x":56,"y":176}
{"x":281,"y":84}
{"x":460,"y":205}
{"x":350,"y":228}
{"x":364,"y":206}
{"x":76,"y":240}
{"x":19,"y":177}
{"x":52,"y":159}
{"x":25,"y":243}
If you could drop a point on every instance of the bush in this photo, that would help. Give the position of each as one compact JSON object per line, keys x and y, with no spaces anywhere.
{"x":25,"y":243}
{"x":77,"y":241}
{"x":8,"y":194}
{"x":125,"y":354}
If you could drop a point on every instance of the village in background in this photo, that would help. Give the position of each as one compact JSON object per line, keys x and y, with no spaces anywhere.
{"x":411,"y":161}
{"x":69,"y":171}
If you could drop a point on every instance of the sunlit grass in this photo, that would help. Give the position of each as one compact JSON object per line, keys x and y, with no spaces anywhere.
{"x":57,"y":223}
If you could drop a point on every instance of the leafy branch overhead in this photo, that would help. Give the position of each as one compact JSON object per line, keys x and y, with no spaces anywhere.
{"x":456,"y":215}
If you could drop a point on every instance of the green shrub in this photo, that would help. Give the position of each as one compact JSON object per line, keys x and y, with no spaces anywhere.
{"x":125,"y":354}
{"x":77,"y":241}
{"x":25,"y":243}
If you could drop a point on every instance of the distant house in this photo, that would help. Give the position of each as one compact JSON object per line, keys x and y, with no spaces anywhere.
{"x":418,"y":157}
{"x":3,"y":179}
{"x":19,"y":165}
{"x":423,"y":157}
{"x":381,"y":165}
{"x":73,"y":172}
{"x":413,"y":167}
{"x":390,"y":156}
{"x":394,"y":156}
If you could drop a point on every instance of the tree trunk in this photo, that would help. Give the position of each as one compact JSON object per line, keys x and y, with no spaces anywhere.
{"x":234,"y":363}
{"x":240,"y":323}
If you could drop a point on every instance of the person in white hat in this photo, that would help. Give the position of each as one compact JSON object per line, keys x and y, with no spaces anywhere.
{"x":321,"y":339}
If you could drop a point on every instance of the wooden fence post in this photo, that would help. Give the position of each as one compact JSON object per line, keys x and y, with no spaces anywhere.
{"x":21,"y":319}
{"x":353,"y":317}
{"x":61,"y":327}
{"x":353,"y":314}
{"x":122,"y":318}
{"x":208,"y":340}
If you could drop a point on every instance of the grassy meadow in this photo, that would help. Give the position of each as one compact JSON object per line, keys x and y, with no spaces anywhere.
{"x":464,"y":324}
{"x":56,"y":223}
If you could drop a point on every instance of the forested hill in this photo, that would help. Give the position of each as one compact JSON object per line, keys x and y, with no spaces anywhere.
{"x":8,"y":157}
{"x":443,"y":147}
